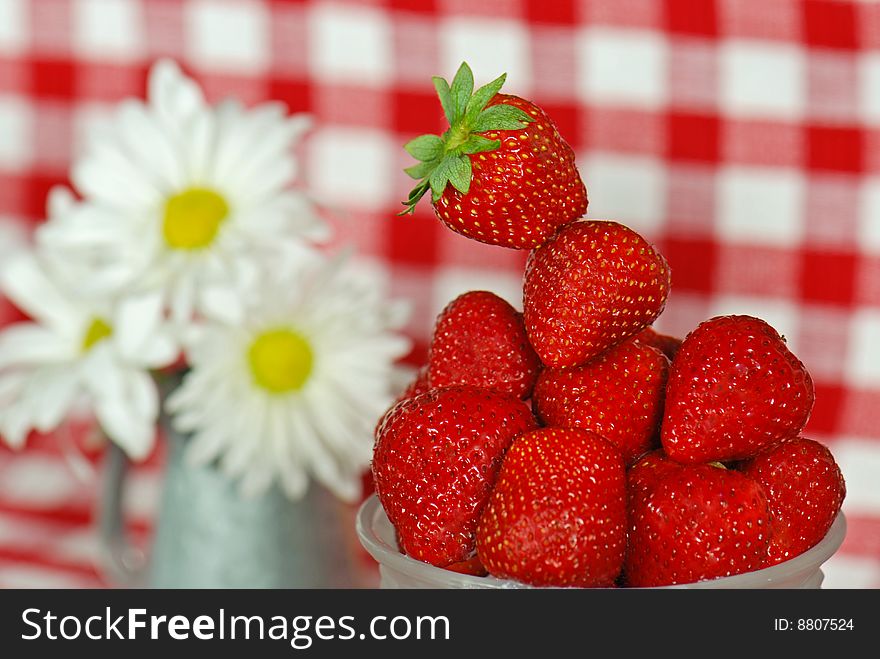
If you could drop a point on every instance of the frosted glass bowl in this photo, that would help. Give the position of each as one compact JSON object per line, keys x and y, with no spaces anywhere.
{"x":400,"y":571}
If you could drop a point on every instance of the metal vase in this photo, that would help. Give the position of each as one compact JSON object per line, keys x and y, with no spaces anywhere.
{"x":207,"y":535}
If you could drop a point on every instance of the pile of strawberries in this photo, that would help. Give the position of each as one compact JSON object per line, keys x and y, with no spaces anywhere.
{"x":571,"y":444}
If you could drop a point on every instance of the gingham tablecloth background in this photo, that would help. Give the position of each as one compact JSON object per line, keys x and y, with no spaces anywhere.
{"x":742,"y":136}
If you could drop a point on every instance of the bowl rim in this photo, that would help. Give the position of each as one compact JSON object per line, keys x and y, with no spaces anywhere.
{"x":371,"y":512}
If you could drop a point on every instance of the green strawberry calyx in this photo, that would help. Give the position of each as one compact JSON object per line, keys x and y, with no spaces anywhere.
{"x":444,"y":158}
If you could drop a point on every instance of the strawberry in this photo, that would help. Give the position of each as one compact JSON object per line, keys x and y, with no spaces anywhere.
{"x":734,"y":389}
{"x":697,"y":522}
{"x":557,"y":516}
{"x":618,"y":395}
{"x":501,"y":174}
{"x":434,"y":464}
{"x":590,"y":287}
{"x":479,"y":339}
{"x":805,"y":488}
{"x":471,"y":566}
{"x":666,"y":344}
{"x":648,"y":471}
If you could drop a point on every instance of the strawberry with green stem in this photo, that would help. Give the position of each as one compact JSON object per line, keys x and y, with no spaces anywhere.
{"x":501,"y":174}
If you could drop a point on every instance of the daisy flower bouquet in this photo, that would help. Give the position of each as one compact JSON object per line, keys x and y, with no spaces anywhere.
{"x":184,"y":282}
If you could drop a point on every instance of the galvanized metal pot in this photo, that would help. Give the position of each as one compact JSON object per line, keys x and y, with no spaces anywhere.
{"x":207,"y":535}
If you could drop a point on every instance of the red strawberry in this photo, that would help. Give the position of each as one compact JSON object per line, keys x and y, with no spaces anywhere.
{"x":698,"y":522}
{"x":471,"y":566}
{"x":557,"y":516}
{"x":592,"y":286}
{"x":479,"y":339}
{"x":618,"y":395}
{"x":435,"y":462}
{"x":512,"y":178}
{"x":648,"y":471}
{"x":734,"y":389}
{"x":668,"y":345}
{"x":805,"y":489}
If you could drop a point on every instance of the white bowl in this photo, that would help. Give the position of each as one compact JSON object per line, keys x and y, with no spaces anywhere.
{"x":400,"y":571}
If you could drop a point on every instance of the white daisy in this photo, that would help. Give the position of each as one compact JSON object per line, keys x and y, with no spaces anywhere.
{"x":295,"y":389}
{"x":183,"y":198}
{"x":79,"y":354}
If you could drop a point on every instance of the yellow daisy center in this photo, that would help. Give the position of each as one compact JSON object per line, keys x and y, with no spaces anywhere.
{"x":280,"y":360}
{"x":193,"y":218}
{"x":98,"y":331}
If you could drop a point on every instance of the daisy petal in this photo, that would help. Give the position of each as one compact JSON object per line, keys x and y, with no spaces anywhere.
{"x":27,"y":285}
{"x":25,"y":344}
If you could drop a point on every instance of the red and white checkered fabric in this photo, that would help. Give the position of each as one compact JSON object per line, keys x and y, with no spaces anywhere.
{"x":742,"y":136}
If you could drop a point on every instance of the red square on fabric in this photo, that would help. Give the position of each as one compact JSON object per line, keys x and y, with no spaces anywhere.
{"x":557,"y":11}
{"x":53,"y":78}
{"x":692,"y":263}
{"x":413,"y":239}
{"x":829,"y":24}
{"x":693,"y":136}
{"x":828,"y":276}
{"x":835,"y":148}
{"x":827,"y":409}
{"x":295,"y":94}
{"x":426,"y":6}
{"x":698,"y":17}
{"x":416,"y":113}
{"x":37,"y":188}
{"x":568,"y":121}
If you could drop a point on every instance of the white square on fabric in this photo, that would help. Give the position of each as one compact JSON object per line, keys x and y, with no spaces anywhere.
{"x":14,"y":26}
{"x":781,"y":314}
{"x":761,"y":205}
{"x":108,"y":30}
{"x":763,"y":79}
{"x":352,"y":167}
{"x":628,"y":189}
{"x":16,"y":132}
{"x":869,"y":88}
{"x":626,"y":67}
{"x":869,"y":215}
{"x":228,"y":36}
{"x":449,"y":283}
{"x":490,"y":47}
{"x":863,"y":358}
{"x":350,"y":45}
